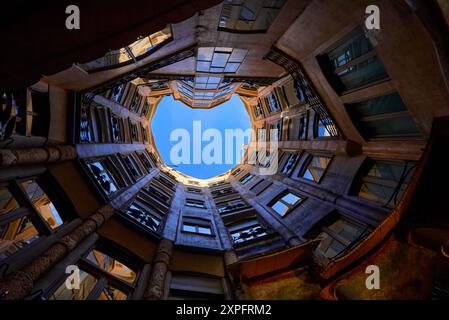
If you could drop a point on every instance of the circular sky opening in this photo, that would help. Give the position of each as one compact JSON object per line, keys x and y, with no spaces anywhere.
{"x":201,"y":143}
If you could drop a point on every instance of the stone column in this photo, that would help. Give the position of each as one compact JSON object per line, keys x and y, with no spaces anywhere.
{"x":155,"y":289}
{"x":17,"y":285}
{"x":14,"y":157}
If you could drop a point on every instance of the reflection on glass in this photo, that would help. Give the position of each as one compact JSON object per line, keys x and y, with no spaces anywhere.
{"x":87,"y":283}
{"x":316,"y":167}
{"x":7,"y":201}
{"x":111,"y":293}
{"x":111,"y":266}
{"x":15,"y":235}
{"x":42,"y":203}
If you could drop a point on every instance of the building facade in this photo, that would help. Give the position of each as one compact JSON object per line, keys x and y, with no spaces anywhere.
{"x":361,"y":119}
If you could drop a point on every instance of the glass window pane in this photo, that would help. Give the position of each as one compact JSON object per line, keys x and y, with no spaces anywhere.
{"x":363,"y":73}
{"x":204,"y":230}
{"x":42,"y":203}
{"x":188,"y":228}
{"x":87,"y":283}
{"x":291,"y":198}
{"x":391,"y":127}
{"x":16,"y":235}
{"x":111,"y":293}
{"x":205,"y":53}
{"x":216,"y":70}
{"x":220,"y":59}
{"x":380,"y":105}
{"x":112,"y":266}
{"x":238,"y":55}
{"x":214,"y":80}
{"x":7,"y":201}
{"x":223,"y":49}
{"x":316,"y":168}
{"x":280,"y":208}
{"x":232,"y":67}
{"x":202,"y":66}
{"x":146,"y":217}
{"x":288,"y":167}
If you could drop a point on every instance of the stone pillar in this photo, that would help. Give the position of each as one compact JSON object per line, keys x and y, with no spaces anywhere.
{"x":17,"y":285}
{"x":237,"y":286}
{"x":13,"y":157}
{"x":155,"y":289}
{"x":230,"y":257}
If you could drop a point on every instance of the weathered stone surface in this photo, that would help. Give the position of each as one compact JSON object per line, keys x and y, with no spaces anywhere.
{"x":155,"y":289}
{"x":18,"y":285}
{"x":10,"y":158}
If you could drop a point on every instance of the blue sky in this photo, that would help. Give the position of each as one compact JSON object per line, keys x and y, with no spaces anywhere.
{"x":172,"y":114}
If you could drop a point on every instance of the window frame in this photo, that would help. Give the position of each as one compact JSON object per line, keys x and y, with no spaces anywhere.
{"x":103,"y":277}
{"x":330,"y":72}
{"x":307,"y":163}
{"x":195,"y":203}
{"x":198,"y":223}
{"x":290,"y":207}
{"x":26,"y":209}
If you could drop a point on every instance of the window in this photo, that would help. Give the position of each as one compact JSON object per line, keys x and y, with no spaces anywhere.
{"x":232,"y":206}
{"x":352,"y":64}
{"x":102,"y":276}
{"x":248,"y":16}
{"x":195,"y":287}
{"x":111,"y":265}
{"x":246,"y":178}
{"x":27,"y":213}
{"x":273,"y":103}
{"x":194,"y":190}
{"x":25,"y":112}
{"x":222,"y":192}
{"x":320,"y":129}
{"x":289,"y":161}
{"x":107,"y":181}
{"x":384,"y":182}
{"x":258,"y":109}
{"x":132,"y":166}
{"x":314,"y":168}
{"x":137,"y":50}
{"x":383,"y":117}
{"x":117,"y":92}
{"x":165,"y":181}
{"x":146,"y":214}
{"x":87,"y":284}
{"x":246,"y":230}
{"x":236,"y":172}
{"x":145,"y":160}
{"x":217,"y":184}
{"x":337,"y":238}
{"x":298,"y":127}
{"x":276,"y":126}
{"x":199,"y":226}
{"x":285,"y":203}
{"x":219,"y":59}
{"x":42,"y":203}
{"x":260,"y":186}
{"x":194,"y":203}
{"x":157,"y":194}
{"x":98,"y":124}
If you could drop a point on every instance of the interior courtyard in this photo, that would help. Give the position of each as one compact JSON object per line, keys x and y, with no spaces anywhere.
{"x":362,"y":129}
